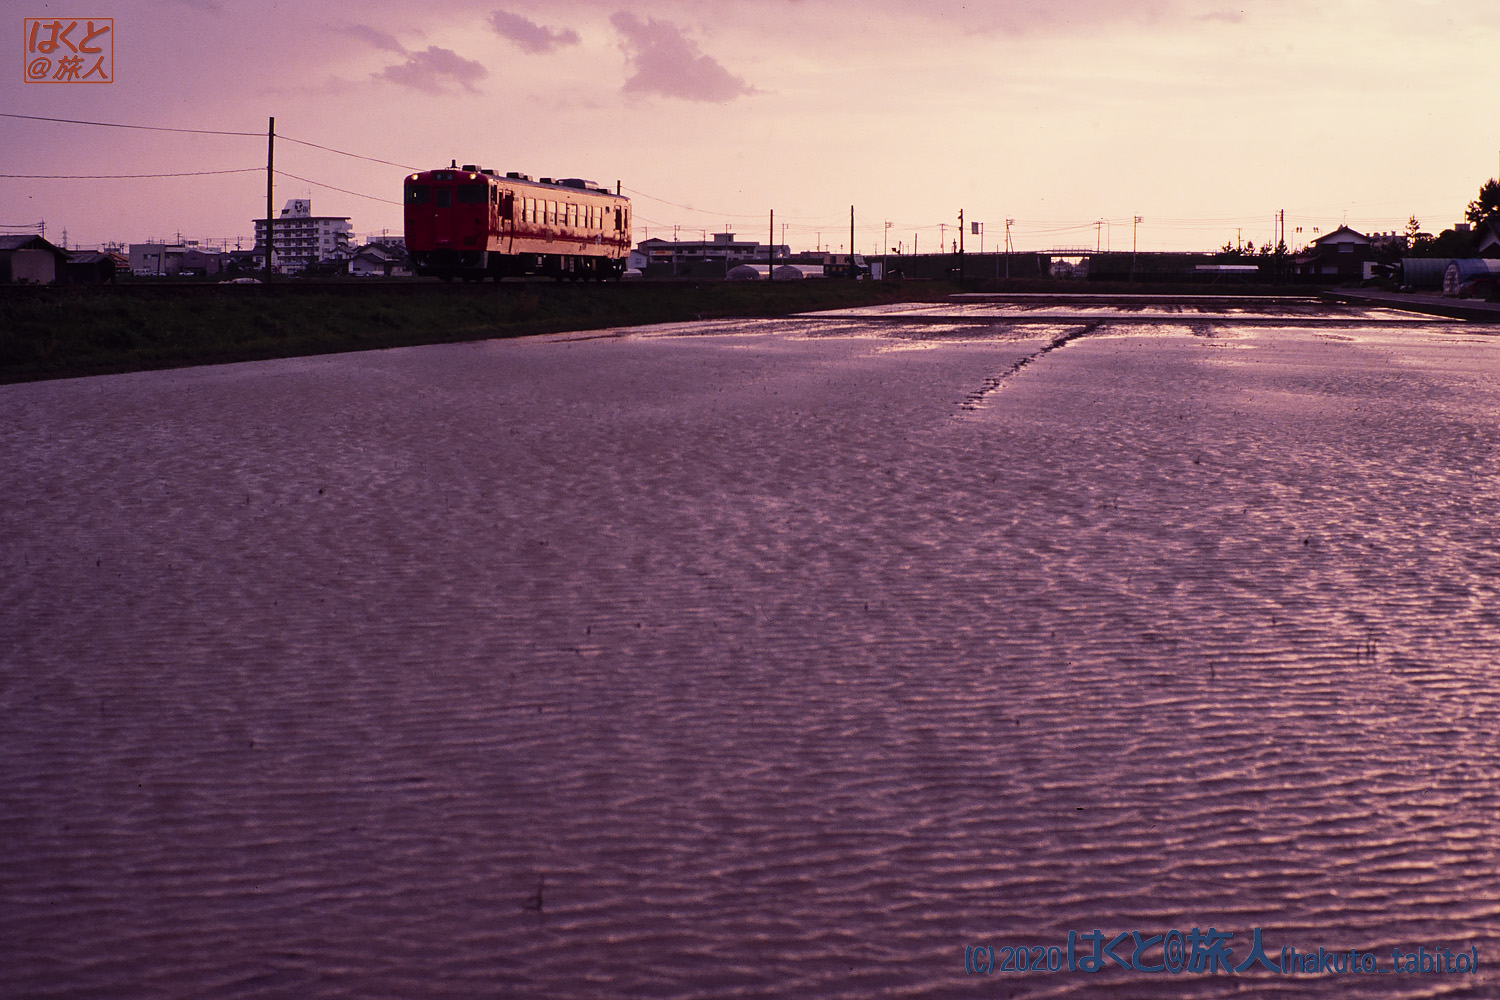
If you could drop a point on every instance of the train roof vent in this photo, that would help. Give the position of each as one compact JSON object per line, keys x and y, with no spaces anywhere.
{"x":470,"y":168}
{"x":517,"y":175}
{"x":577,"y":182}
{"x":488,"y":172}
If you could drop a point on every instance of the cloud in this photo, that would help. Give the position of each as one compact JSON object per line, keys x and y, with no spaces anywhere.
{"x":531,"y":37}
{"x":432,"y":70}
{"x":379,"y":39}
{"x":668,"y":63}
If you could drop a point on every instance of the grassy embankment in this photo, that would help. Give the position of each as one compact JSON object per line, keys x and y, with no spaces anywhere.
{"x":48,"y":332}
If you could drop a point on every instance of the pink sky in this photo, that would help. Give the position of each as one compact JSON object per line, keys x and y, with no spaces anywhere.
{"x":1204,"y":117}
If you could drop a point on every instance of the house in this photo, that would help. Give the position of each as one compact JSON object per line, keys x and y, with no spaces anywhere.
{"x":1342,"y":255}
{"x":1487,"y":236}
{"x":173,"y":259}
{"x":378,"y":260}
{"x":29,"y":260}
{"x":94,"y":267}
{"x":702,"y":258}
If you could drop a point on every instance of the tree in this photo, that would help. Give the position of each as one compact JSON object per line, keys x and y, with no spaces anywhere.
{"x":1486,"y":205}
{"x":1413,"y":230}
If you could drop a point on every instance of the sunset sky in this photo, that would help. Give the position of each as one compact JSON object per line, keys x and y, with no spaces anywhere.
{"x":1204,"y":117}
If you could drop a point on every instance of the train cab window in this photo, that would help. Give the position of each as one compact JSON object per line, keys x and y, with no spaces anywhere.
{"x":442,"y":197}
{"x":472,"y":194}
{"x":417,"y":194}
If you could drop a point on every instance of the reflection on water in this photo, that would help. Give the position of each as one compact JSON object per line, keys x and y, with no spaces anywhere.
{"x":763,"y":661}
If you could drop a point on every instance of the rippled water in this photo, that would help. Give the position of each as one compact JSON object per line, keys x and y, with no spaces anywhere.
{"x":756,"y":659}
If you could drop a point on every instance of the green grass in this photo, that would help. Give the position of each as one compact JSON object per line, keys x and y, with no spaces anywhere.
{"x":48,"y":332}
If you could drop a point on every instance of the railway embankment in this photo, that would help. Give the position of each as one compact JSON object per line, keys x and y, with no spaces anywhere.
{"x":62,"y":332}
{"x":1476,"y":310}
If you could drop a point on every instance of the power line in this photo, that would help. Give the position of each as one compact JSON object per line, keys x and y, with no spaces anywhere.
{"x":149,"y":128}
{"x":308,"y":180}
{"x":200,"y":131}
{"x":123,"y":177}
{"x":700,"y":211}
{"x":341,"y":152}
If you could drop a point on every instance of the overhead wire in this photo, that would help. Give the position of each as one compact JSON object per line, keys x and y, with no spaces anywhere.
{"x":122,"y":177}
{"x":149,"y":128}
{"x":342,"y":152}
{"x":307,"y":180}
{"x":801,"y":225}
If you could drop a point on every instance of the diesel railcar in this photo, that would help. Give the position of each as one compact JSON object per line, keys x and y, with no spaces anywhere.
{"x":471,"y":223}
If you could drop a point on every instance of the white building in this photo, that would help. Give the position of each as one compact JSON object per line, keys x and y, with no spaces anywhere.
{"x":300,"y":238}
{"x":722,"y":247}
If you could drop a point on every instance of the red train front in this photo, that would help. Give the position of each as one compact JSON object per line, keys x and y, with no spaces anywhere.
{"x":471,"y":223}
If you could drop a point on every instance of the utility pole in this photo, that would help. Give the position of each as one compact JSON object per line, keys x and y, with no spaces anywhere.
{"x":771,"y":249}
{"x":853,"y":272}
{"x":885,"y":266}
{"x":1281,"y":250}
{"x":960,"y":246}
{"x":270,"y":219}
{"x":1008,"y":224}
{"x":1133,"y":226}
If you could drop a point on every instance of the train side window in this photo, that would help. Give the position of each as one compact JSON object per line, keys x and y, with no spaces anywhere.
{"x":471,"y":194}
{"x":442,"y":197}
{"x":417,"y":194}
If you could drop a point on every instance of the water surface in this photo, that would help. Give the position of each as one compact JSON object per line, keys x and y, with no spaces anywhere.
{"x":771,"y":658}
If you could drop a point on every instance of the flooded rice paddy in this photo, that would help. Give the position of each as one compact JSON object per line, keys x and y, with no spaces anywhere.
{"x":794,"y":658}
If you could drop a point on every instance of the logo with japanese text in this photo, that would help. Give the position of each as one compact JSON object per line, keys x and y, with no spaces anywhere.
{"x":69,"y":49}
